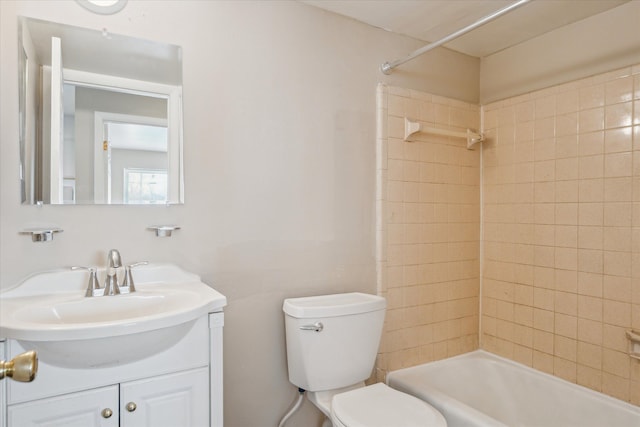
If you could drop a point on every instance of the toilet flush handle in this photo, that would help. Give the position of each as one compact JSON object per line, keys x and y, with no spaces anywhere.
{"x":318,"y":327}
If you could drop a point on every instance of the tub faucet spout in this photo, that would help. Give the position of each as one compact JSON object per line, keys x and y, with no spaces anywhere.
{"x":113,"y":263}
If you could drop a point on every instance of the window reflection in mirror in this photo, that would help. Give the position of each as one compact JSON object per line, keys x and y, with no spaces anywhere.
{"x":145,"y":186}
{"x":137,"y":164}
{"x":102,"y":120}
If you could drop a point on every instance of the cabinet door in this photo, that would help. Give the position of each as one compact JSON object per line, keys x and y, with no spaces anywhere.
{"x":180,"y":399}
{"x":93,"y":408}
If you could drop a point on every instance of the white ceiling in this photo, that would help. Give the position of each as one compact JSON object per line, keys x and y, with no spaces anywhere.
{"x":431,"y":20}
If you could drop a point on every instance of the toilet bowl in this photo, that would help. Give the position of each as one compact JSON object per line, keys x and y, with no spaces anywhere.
{"x":332,"y":343}
{"x":381,"y":406}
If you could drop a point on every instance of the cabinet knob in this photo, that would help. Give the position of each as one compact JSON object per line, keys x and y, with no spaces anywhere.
{"x":131,"y":406}
{"x":106,"y":413}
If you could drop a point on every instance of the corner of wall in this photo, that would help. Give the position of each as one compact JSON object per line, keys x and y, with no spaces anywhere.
{"x":594,"y":45}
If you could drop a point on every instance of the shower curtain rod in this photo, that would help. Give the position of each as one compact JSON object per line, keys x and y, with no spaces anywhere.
{"x":387,"y":67}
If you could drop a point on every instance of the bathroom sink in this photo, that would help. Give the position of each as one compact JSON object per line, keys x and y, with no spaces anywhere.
{"x":49,"y":313}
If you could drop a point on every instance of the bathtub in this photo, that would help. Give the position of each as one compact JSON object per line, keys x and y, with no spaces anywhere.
{"x":481,"y":389}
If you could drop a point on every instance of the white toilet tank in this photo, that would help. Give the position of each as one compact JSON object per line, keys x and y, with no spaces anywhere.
{"x":343,"y":350}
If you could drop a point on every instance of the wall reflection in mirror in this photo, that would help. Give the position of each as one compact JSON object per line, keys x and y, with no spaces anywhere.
{"x":100,"y":117}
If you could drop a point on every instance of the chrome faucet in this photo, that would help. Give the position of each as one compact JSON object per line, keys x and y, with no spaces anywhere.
{"x":113,"y":263}
{"x":111,"y":286}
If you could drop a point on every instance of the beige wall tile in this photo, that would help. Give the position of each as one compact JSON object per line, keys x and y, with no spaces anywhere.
{"x":589,"y":355}
{"x":566,"y":303}
{"x":543,"y":361}
{"x":544,"y":148}
{"x":618,"y":164}
{"x":566,"y":168}
{"x":566,"y":281}
{"x":566,"y":146}
{"x":634,"y":393}
{"x":619,"y":90}
{"x":591,"y":190}
{"x":566,"y":257}
{"x":431,"y":227}
{"x":566,"y":124}
{"x":567,"y":101}
{"x":561,"y":210}
{"x":591,"y":96}
{"x":590,"y":331}
{"x":591,"y":120}
{"x":615,"y":386}
{"x":618,"y":115}
{"x":617,"y":263}
{"x":591,"y":167}
{"x":618,"y":189}
{"x":583,"y":232}
{"x":635,"y":316}
{"x":545,"y":106}
{"x":565,"y":369}
{"x":591,"y":143}
{"x":567,"y":191}
{"x":615,"y":338}
{"x":590,"y":237}
{"x":543,"y":320}
{"x":617,"y":313}
{"x":590,"y":307}
{"x":590,"y":261}
{"x":616,"y":363}
{"x":589,"y":377}
{"x":617,"y":239}
{"x":618,"y":140}
{"x":591,"y":214}
{"x":618,"y":214}
{"x":566,"y":326}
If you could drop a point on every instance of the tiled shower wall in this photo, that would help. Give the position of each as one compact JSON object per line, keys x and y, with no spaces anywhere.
{"x":428,"y":228}
{"x":561,"y":279}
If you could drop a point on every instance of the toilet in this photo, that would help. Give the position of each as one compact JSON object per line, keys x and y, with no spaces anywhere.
{"x":332,"y":343}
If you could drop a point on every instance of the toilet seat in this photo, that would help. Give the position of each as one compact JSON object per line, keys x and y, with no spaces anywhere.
{"x":381,"y":406}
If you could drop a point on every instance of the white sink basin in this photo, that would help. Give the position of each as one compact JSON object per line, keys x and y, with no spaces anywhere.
{"x":49,"y":313}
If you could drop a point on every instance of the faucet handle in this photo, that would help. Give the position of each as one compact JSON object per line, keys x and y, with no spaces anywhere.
{"x":93,"y":286}
{"x":137,"y":264}
{"x":128,"y":283}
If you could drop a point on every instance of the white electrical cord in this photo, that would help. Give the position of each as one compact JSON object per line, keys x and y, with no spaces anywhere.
{"x":294,"y":408}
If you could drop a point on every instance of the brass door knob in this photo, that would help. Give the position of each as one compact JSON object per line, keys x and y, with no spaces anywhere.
{"x":106,"y":413}
{"x":21,"y":368}
{"x":131,"y":406}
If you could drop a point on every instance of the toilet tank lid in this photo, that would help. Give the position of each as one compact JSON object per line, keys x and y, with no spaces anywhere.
{"x":333,"y":305}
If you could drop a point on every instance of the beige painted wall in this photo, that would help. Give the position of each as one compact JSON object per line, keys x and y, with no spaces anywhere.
{"x":594,"y":45}
{"x":279,"y":129}
{"x":561,"y":278}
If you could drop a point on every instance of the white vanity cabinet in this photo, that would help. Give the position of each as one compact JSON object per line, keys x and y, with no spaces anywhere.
{"x":179,"y":399}
{"x":180,"y":386}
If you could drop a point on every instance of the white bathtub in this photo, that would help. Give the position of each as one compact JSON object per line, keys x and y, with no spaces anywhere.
{"x":482,"y":389}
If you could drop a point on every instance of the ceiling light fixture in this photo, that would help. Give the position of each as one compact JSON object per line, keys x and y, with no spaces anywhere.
{"x":103,"y":7}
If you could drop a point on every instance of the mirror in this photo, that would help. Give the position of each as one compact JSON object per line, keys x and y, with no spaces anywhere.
{"x":100,"y":117}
